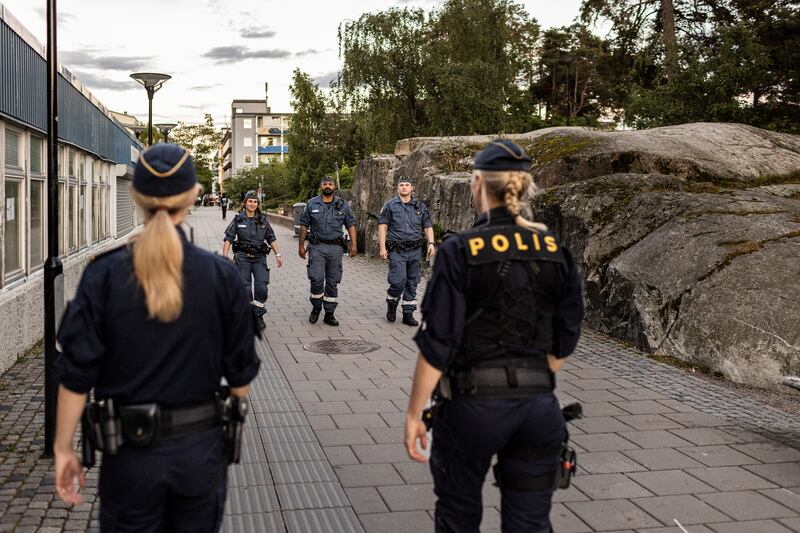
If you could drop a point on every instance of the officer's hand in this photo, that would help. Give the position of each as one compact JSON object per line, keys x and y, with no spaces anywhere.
{"x":280,"y":261}
{"x":301,"y":251}
{"x":353,"y":251}
{"x":67,"y":469}
{"x":431,"y":251}
{"x":415,"y":429}
{"x":384,"y":254}
{"x":555,"y":363}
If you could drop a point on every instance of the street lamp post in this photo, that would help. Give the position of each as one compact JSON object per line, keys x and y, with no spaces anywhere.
{"x":165,"y":128}
{"x":152,"y":82}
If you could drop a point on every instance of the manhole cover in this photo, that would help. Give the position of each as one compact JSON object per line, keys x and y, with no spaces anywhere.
{"x":341,"y":346}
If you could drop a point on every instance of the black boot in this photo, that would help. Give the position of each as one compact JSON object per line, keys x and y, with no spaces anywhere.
{"x":408,"y":319}
{"x":330,"y":319}
{"x":261,"y":323}
{"x":391,"y":310}
{"x":314,"y":316}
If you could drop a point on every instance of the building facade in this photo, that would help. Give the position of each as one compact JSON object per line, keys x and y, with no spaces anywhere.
{"x":257,"y":136}
{"x":96,"y":157}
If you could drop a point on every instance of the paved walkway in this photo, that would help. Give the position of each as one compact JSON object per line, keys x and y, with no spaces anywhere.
{"x":659,"y":450}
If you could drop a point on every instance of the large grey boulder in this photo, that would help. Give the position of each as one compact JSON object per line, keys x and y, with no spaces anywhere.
{"x":688,"y":237}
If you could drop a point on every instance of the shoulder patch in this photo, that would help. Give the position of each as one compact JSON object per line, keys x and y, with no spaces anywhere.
{"x":490,"y":244}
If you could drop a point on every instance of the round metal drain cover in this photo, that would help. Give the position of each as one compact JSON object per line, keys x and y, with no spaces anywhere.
{"x":341,"y":346}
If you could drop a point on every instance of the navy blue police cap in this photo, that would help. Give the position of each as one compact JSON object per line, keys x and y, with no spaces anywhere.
{"x":404,"y":179}
{"x":251,"y":195}
{"x":327,"y":179}
{"x":502,"y":154}
{"x":164,"y":170}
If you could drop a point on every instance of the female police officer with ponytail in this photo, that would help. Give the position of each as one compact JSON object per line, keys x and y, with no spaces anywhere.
{"x":153,"y":328}
{"x":502,"y":310}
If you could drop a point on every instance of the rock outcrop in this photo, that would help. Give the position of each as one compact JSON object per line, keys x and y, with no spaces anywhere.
{"x":688,"y":237}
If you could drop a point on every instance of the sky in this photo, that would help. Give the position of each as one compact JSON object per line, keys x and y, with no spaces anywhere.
{"x":215,"y":51}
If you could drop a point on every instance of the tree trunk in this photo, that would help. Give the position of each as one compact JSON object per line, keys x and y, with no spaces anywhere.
{"x":670,"y":38}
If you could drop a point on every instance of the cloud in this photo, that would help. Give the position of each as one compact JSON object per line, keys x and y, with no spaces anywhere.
{"x":203,"y":87}
{"x":63,"y":17}
{"x":324,"y":80}
{"x":257,"y":33}
{"x":222,"y":54}
{"x":308,"y":52}
{"x":89,"y":59}
{"x":99,"y":82}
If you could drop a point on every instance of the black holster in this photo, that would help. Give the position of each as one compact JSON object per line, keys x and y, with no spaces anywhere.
{"x":100,"y":430}
{"x":234,"y":410}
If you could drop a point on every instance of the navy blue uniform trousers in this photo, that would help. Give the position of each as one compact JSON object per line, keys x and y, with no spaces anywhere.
{"x":466,"y":434}
{"x":176,"y":485}
{"x":254,"y":270}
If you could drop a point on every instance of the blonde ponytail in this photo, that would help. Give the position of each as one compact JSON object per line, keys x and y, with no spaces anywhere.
{"x":158,"y":254}
{"x":511,"y":187}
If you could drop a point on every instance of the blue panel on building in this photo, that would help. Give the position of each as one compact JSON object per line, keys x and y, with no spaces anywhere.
{"x":273,"y":149}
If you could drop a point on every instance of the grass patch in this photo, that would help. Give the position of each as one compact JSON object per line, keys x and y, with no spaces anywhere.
{"x":549,"y":148}
{"x":761,"y":181}
{"x":457,"y":158}
{"x":694,"y":368}
{"x":698,"y":214}
{"x":32,"y":351}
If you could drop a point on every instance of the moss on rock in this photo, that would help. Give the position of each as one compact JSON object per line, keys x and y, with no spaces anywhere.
{"x":549,"y":148}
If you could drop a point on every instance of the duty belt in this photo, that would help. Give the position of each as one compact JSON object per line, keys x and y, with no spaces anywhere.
{"x":402,"y":246}
{"x":498,"y":379}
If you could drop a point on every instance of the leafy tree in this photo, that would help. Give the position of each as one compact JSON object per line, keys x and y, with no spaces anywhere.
{"x":203,"y":140}
{"x":273,"y":179}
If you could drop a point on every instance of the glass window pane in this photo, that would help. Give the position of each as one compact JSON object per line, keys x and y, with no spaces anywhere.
{"x":61,"y":222}
{"x":82,"y":215}
{"x":12,"y":215}
{"x":37,"y":223}
{"x":12,"y":148}
{"x":37,"y":155}
{"x":72,"y":229}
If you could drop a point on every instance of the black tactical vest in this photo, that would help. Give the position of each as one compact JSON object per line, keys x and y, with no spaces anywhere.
{"x":514,"y":279}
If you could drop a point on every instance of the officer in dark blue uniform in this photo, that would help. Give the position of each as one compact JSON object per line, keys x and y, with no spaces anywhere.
{"x":153,"y":328}
{"x":502,"y":310}
{"x":321,"y":223}
{"x":404,"y":230}
{"x":252,"y":238}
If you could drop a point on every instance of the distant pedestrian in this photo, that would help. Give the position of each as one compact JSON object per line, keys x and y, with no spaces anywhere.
{"x":224,"y":205}
{"x":252,"y":238}
{"x":406,"y":222}
{"x":321,"y":223}
{"x":153,"y":328}
{"x":502,"y":311}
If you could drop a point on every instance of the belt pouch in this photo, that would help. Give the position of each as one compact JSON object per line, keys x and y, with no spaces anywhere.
{"x":140,"y":424}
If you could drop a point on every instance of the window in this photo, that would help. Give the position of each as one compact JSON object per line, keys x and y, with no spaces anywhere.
{"x":13,"y":218}
{"x":262,"y":140}
{"x":72,"y":159}
{"x":271,"y":141}
{"x":37,"y":155}
{"x":248,"y":159}
{"x":37,"y":223}
{"x":71,"y":212}
{"x":260,"y":122}
{"x":247,"y":123}
{"x":239,"y":110}
{"x":12,"y":149}
{"x":62,"y":221}
{"x":248,"y":142}
{"x":82,"y":215}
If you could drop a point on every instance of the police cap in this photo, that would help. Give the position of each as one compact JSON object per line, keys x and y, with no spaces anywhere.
{"x":326,"y":179}
{"x":251,"y":195}
{"x":164,"y":170}
{"x":502,"y":154}
{"x":404,"y":179}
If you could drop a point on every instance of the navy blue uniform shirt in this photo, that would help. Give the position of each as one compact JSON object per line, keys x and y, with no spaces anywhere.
{"x":251,"y":231}
{"x":325,"y":220}
{"x":405,"y":221}
{"x":109,"y":343}
{"x":445,"y":302}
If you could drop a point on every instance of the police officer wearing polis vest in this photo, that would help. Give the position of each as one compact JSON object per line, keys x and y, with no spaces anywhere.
{"x":252,"y":238}
{"x":153,"y":328}
{"x":404,"y":220}
{"x":502,"y":310}
{"x":223,"y":203}
{"x":321,"y":223}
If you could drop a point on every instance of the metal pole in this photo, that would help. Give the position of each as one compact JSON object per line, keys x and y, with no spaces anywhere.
{"x":336,"y":166}
{"x":150,"y":92}
{"x":281,"y":138}
{"x":53,"y":269}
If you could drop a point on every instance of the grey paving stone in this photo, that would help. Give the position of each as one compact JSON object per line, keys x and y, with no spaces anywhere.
{"x":730,"y":478}
{"x":591,"y":396}
{"x":593,"y":384}
{"x":787,"y":497}
{"x":696,"y":420}
{"x":608,"y":463}
{"x":299,"y":451}
{"x":251,"y":500}
{"x":340,"y":520}
{"x":249,"y":475}
{"x":747,"y":505}
{"x":612,"y":514}
{"x":400,"y":522}
{"x":600,"y":424}
{"x":339,"y":395}
{"x":367,"y":475}
{"x":414,"y":473}
{"x":609,"y":487}
{"x":662,"y":459}
{"x":717,"y":455}
{"x":380,"y":453}
{"x":654,"y":438}
{"x":648,"y":422}
{"x":340,"y":455}
{"x":755,"y":526}
{"x":311,"y":495}
{"x":769,"y":452}
{"x":315,"y":385}
{"x":408,"y":497}
{"x":782,"y":474}
{"x":340,"y":437}
{"x":321,"y":422}
{"x":639,"y":394}
{"x":603,"y":442}
{"x":376,"y":406}
{"x":601,"y":409}
{"x":572,"y":494}
{"x":272,"y":522}
{"x":675,"y":529}
{"x":366,"y":420}
{"x":325,"y":408}
{"x":686,"y":508}
{"x":643,"y":407}
{"x":791,"y":523}
{"x":385,"y":394}
{"x":302,"y":472}
{"x":670,"y":482}
{"x":564,"y":521}
{"x":366,"y":500}
{"x":288,"y":434}
{"x":705,"y":436}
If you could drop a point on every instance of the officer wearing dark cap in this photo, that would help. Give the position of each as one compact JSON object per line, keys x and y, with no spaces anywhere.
{"x":502,"y":310}
{"x":252,"y":238}
{"x":153,"y":328}
{"x":406,"y":222}
{"x":321,"y":223}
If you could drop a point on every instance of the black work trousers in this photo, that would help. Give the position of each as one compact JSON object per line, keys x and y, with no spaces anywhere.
{"x":467,"y":434}
{"x":177,"y":485}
